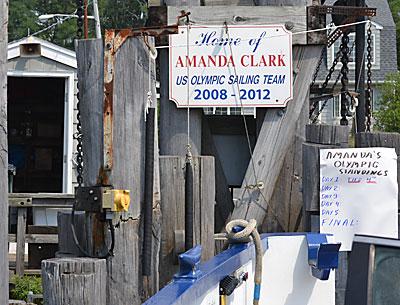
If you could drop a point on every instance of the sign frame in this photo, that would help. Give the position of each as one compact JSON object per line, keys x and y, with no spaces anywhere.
{"x":236,"y":101}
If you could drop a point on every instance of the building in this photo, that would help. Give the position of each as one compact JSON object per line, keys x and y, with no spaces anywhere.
{"x":384,"y":60}
{"x":41,"y":116}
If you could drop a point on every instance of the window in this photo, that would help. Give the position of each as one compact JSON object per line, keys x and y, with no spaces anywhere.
{"x":230,"y":111}
{"x":352,"y":57}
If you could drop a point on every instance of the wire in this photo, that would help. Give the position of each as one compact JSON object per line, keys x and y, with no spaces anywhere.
{"x":329,"y":27}
{"x":84,"y":252}
{"x":188,"y":88}
{"x":249,"y":144}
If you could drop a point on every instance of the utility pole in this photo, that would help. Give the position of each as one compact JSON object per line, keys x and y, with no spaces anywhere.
{"x":360,"y":71}
{"x":3,"y":155}
{"x":96,"y":19}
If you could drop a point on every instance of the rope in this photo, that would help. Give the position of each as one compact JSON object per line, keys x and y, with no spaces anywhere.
{"x":188,"y":153}
{"x":243,"y":236}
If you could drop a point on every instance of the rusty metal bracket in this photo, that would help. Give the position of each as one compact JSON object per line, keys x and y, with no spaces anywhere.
{"x":113,"y":40}
{"x":342,"y":10}
{"x":352,"y":13}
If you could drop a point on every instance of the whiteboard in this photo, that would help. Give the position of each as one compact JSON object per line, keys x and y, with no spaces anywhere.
{"x":358,"y":193}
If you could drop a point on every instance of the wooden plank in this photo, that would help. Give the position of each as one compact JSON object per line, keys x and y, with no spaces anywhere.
{"x":287,"y":201}
{"x":223,"y":197}
{"x":279,"y":126}
{"x":73,"y":281}
{"x":49,"y":200}
{"x":285,"y":2}
{"x":91,"y":74}
{"x":173,"y":121}
{"x":172,"y":184}
{"x":311,"y":175}
{"x":242,"y":15}
{"x":3,"y":154}
{"x":205,"y":222}
{"x":172,"y":177}
{"x":327,"y":134}
{"x":229,"y":2}
{"x":35,"y":238}
{"x":131,"y":84}
{"x":42,"y":195}
{"x":21,"y":231}
{"x":19,"y":202}
{"x":318,"y":137}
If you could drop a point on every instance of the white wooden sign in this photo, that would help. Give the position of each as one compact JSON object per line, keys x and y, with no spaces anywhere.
{"x":358,"y":193}
{"x":219,"y":66}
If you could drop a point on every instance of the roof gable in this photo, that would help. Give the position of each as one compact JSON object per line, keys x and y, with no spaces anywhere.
{"x":48,"y":50}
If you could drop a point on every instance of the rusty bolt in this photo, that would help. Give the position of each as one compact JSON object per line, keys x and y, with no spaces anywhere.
{"x":108,"y":46}
{"x":238,"y":19}
{"x":289,"y":25}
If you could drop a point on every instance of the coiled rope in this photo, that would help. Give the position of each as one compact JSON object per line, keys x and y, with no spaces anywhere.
{"x":243,"y":236}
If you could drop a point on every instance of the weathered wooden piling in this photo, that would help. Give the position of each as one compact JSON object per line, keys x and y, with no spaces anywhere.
{"x":3,"y":155}
{"x":74,"y":281}
{"x":131,"y":85}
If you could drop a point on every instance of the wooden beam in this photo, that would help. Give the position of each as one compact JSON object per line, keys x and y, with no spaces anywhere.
{"x":172,"y":174}
{"x":35,"y":238}
{"x":286,"y":202}
{"x":3,"y":154}
{"x":173,"y":121}
{"x":21,"y":231}
{"x":251,"y":15}
{"x":274,"y":140}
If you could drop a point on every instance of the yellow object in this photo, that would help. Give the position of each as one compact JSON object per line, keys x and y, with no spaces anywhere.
{"x":222,"y":299}
{"x":116,"y":200}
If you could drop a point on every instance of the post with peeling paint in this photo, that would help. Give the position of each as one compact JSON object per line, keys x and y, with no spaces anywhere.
{"x":3,"y":155}
{"x":113,"y":127}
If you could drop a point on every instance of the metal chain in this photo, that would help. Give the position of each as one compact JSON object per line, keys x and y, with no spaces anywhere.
{"x":327,"y":79}
{"x":368,"y":104}
{"x":316,"y":72}
{"x":321,"y":58}
{"x":314,"y":120}
{"x":345,"y":80}
{"x":79,"y":20}
{"x":78,"y":134}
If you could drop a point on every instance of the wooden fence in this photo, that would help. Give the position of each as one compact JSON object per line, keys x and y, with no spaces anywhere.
{"x":25,"y":202}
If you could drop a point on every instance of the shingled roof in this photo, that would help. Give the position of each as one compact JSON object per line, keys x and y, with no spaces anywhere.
{"x":383,"y":14}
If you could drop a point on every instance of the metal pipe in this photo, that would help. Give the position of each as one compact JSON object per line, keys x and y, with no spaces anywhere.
{"x":97,"y":19}
{"x":360,"y":71}
{"x":188,"y":204}
{"x":148,"y":195}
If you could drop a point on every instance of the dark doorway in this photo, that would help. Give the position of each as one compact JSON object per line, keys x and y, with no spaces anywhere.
{"x":36,"y":133}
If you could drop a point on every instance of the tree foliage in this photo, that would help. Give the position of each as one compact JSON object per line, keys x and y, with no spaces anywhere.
{"x":395,"y":8}
{"x":23,"y":18}
{"x":388,"y":115}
